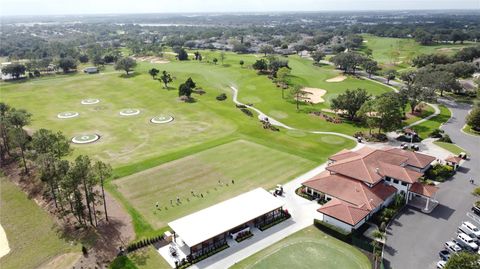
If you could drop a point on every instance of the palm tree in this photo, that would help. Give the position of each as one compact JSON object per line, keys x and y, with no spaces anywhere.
{"x":378,"y":236}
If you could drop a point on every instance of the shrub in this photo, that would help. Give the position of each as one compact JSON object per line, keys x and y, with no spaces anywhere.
{"x":439,"y":173}
{"x":247,"y":112}
{"x":333,"y":230}
{"x":221,"y":97}
{"x":437,"y":133}
{"x":445,"y":138}
{"x":476,"y":192}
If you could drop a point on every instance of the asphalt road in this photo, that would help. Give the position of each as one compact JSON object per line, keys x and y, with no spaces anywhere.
{"x":414,"y":238}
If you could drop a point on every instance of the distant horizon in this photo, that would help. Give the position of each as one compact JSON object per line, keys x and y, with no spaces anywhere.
{"x":19,"y":8}
{"x":240,"y":12}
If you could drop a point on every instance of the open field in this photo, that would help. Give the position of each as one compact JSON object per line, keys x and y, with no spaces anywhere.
{"x":127,"y":140}
{"x":250,"y":165}
{"x":308,"y":248}
{"x":30,"y":231}
{"x":397,"y":53}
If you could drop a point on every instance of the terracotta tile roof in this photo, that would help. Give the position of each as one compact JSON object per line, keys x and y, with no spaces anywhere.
{"x":364,"y":168}
{"x":414,"y":158}
{"x":454,"y":159}
{"x":346,"y":154}
{"x":343,"y":154}
{"x":424,"y":189}
{"x":351,"y":190}
{"x":399,"y":172}
{"x":343,"y":211}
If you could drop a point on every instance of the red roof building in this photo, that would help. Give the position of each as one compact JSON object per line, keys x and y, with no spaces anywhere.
{"x":357,"y":184}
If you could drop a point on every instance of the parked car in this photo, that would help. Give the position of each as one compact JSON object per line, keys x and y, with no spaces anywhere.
{"x":452,"y":247}
{"x":444,"y":255}
{"x":476,"y":209}
{"x":468,"y":228}
{"x":441,"y":264}
{"x":466,"y":241}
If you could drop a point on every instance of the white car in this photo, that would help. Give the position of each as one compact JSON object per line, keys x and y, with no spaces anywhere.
{"x":470,"y":229}
{"x":441,"y":264}
{"x":452,"y":247}
{"x":467,"y":241}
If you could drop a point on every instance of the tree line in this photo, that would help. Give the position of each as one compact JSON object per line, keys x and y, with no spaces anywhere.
{"x":76,"y":188}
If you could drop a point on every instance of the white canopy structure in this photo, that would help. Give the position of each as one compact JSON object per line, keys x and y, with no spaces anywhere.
{"x":220,"y":218}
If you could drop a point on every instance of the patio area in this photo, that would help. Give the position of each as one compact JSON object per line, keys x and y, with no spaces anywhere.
{"x":427,"y":205}
{"x":174,"y":252}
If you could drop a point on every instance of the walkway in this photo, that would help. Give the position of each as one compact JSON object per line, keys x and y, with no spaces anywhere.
{"x":414,"y":238}
{"x":263,"y":116}
{"x":303,"y":213}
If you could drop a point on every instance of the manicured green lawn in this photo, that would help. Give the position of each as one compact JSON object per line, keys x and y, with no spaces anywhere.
{"x":250,"y":165}
{"x":131,"y":140}
{"x":31,"y":232}
{"x":424,"y":129}
{"x":148,"y":258}
{"x":468,"y":129}
{"x":397,"y":53}
{"x":308,"y":248}
{"x":453,"y":148}
{"x":427,"y":111}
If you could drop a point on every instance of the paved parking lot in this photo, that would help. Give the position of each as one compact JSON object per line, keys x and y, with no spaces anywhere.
{"x":414,"y":238}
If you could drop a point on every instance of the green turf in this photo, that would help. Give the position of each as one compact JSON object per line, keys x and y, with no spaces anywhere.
{"x":250,"y":165}
{"x":453,"y":148}
{"x":31,"y":233}
{"x":308,"y":248}
{"x":128,"y":140}
{"x":426,"y":111}
{"x":397,"y":53}
{"x":469,"y":130}
{"x":148,"y":258}
{"x":424,"y":129}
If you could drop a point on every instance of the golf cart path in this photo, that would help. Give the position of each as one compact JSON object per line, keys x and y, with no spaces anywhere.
{"x":383,"y":81}
{"x":263,"y":116}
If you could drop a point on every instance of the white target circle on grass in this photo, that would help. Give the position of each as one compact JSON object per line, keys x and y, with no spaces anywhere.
{"x":85,"y":139}
{"x":161,"y":119}
{"x":129,"y":112}
{"x":67,"y":115}
{"x":90,"y":101}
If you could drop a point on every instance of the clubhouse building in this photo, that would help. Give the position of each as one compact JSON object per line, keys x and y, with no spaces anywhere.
{"x":218,"y":226}
{"x":357,"y":184}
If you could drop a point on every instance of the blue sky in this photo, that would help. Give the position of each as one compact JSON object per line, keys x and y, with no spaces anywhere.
{"x":49,"y":7}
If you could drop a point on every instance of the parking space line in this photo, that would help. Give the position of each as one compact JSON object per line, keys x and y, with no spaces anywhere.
{"x":473,"y":217}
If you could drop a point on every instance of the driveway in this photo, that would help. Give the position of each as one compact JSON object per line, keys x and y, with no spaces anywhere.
{"x":414,"y":238}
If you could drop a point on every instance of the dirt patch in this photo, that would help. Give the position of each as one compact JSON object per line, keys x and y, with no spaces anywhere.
{"x":152,"y":59}
{"x":328,"y":110}
{"x":315,"y":95}
{"x":4,"y":247}
{"x":337,"y":79}
{"x":67,"y":260}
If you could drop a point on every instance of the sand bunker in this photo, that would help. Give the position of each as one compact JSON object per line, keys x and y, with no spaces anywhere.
{"x":129,"y":112}
{"x":337,"y":79}
{"x":152,"y":59}
{"x":85,"y":139}
{"x":4,"y":248}
{"x":315,"y":95}
{"x":67,"y":115}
